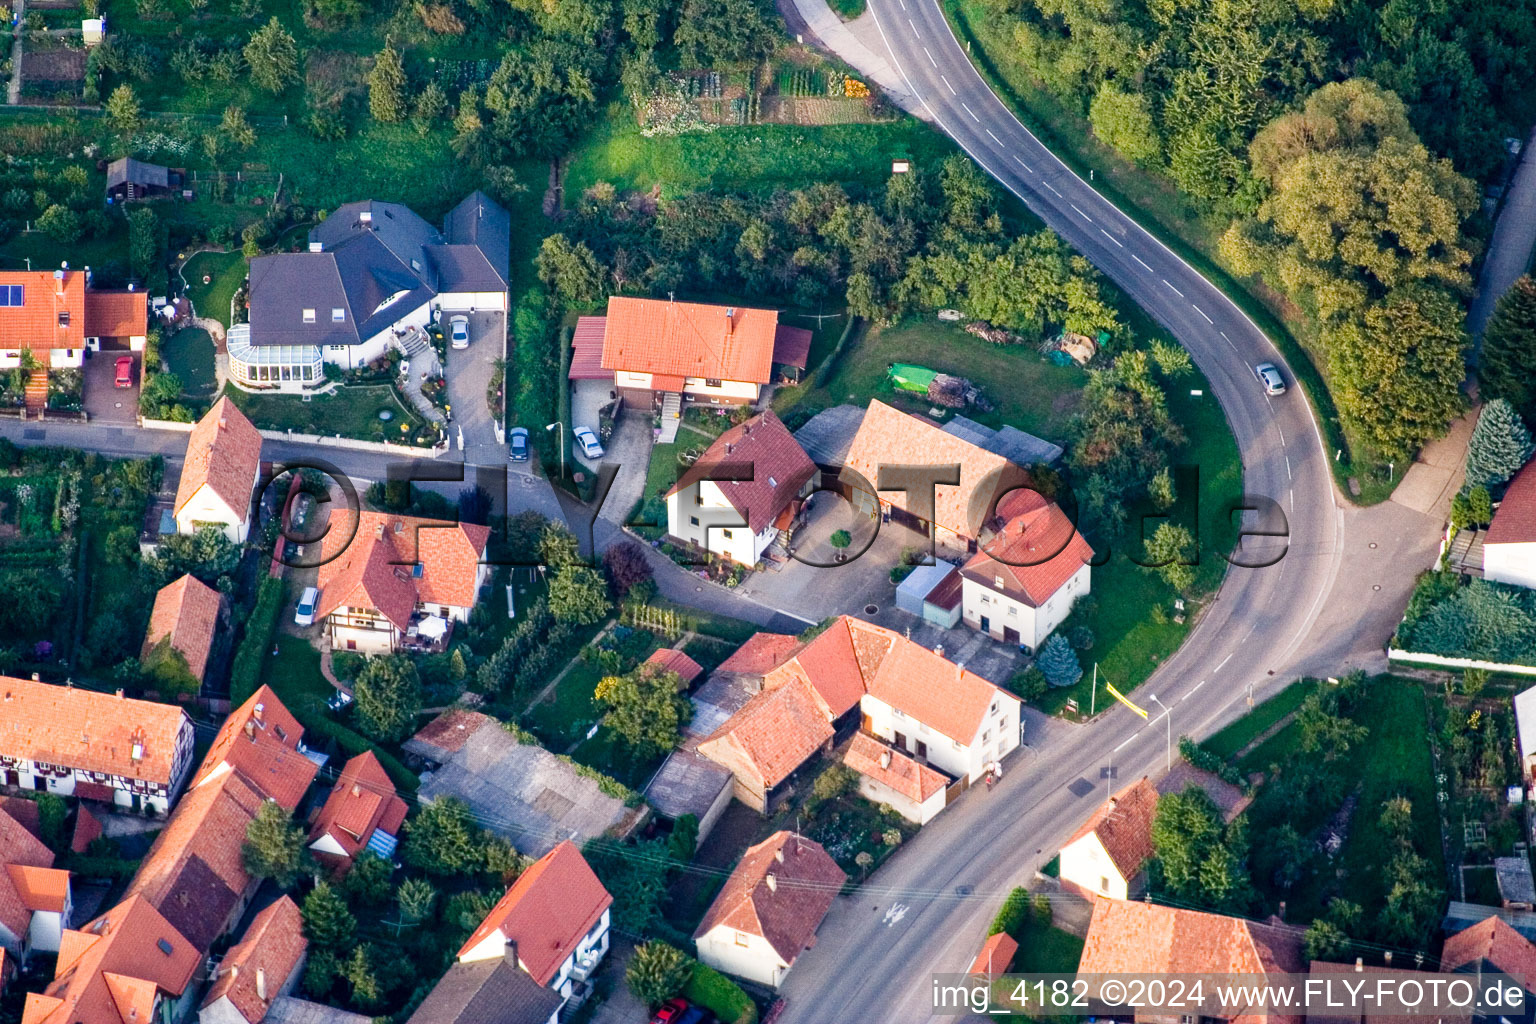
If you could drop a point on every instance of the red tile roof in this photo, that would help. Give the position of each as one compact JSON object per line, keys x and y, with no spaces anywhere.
{"x":110,"y":970}
{"x":1123,"y":825}
{"x":35,"y":324}
{"x":764,"y":447}
{"x":838,"y":663}
{"x":449,"y":731}
{"x":1145,"y":938}
{"x":890,"y":437}
{"x":374,"y":568}
{"x":873,"y":759}
{"x":1034,"y":554}
{"x":676,"y":661}
{"x":587,"y":350}
{"x":363,"y":799}
{"x":995,"y":956}
{"x":87,"y":829}
{"x":116,"y":314}
{"x":68,"y":725}
{"x":224,"y":452}
{"x":25,"y":813}
{"x":773,"y":734}
{"x":1494,"y":942}
{"x":260,"y":739}
{"x":781,"y":890}
{"x":792,"y":346}
{"x":187,"y":613}
{"x":272,"y":945}
{"x":686,"y":339}
{"x":760,"y":654}
{"x":1515,"y":521}
{"x":19,"y":849}
{"x":549,"y":909}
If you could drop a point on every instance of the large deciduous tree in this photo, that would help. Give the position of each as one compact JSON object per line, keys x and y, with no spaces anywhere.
{"x":646,"y":707}
{"x":274,"y":846}
{"x":273,"y":57}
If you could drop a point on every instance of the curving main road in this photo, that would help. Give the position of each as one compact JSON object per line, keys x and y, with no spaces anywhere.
{"x":1317,"y":609}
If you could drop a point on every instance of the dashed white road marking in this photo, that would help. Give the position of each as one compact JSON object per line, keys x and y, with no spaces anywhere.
{"x":1143,"y":263}
{"x":1228,"y":341}
{"x":1282,"y":432}
{"x":930,"y":57}
{"x":994,"y":137}
{"x":1287,"y":467}
{"x":1197,"y":309}
{"x":1223,"y":662}
{"x":1192,"y":690}
{"x":915,"y":32}
{"x":1053,"y":189}
{"x":1175,"y":290}
{"x":1112,"y":238}
{"x":951,"y":88}
{"x":1024,"y":165}
{"x":1081,"y":213}
{"x":968,"y":110}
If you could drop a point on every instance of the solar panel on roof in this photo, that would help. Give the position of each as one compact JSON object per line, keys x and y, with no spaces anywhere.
{"x":382,"y":843}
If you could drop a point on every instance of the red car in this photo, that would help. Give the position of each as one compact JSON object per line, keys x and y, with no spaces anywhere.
{"x":125,"y":371}
{"x":670,"y":1011}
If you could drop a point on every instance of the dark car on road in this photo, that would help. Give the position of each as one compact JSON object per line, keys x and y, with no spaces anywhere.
{"x":519,"y":442}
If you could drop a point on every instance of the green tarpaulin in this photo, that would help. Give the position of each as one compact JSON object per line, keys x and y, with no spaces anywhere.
{"x":912,"y":378}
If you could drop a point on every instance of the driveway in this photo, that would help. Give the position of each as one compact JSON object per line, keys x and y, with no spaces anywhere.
{"x":469,"y":372}
{"x":104,"y":401}
{"x":629,"y":449}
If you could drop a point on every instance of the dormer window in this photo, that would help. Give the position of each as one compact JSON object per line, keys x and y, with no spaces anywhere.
{"x":999,"y":581}
{"x":309,"y":316}
{"x":338,"y":315}
{"x":63,"y":318}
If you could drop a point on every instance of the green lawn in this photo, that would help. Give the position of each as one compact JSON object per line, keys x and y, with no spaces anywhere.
{"x":848,"y":9}
{"x":1045,"y":949}
{"x":564,"y":717}
{"x":349,"y":411}
{"x":611,"y":756}
{"x":225,"y":271}
{"x":189,"y":354}
{"x":1229,"y":741}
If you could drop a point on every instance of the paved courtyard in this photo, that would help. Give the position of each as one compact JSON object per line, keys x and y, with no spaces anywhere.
{"x":104,"y":401}
{"x":469,"y":372}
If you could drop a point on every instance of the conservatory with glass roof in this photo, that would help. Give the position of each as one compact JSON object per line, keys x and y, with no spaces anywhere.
{"x":279,"y":367}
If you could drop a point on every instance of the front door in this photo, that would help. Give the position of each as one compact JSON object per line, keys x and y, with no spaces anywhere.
{"x":986,"y":624}
{"x":901,"y":740}
{"x":922,"y":749}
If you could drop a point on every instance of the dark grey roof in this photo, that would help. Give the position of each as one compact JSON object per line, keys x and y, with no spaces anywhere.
{"x":197,"y":902}
{"x":827,"y":436}
{"x":399,"y":229}
{"x":288,"y":1010}
{"x":483,"y":223}
{"x":687,"y":783}
{"x":464,"y":268}
{"x":1011,"y":443}
{"x":487,"y":992}
{"x":284,"y":285}
{"x":137,"y":171}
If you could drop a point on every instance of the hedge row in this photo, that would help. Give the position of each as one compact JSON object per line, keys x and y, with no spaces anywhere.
{"x":720,"y":995}
{"x":245,"y":673}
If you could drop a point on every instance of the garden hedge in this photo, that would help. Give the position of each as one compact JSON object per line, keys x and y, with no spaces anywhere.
{"x":245,"y":675}
{"x":720,"y":995}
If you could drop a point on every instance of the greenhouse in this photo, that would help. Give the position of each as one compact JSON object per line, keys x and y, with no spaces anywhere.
{"x":287,"y":367}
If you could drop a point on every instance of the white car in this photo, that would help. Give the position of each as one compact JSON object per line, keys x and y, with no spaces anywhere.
{"x":304,"y":614}
{"x":1268,"y":375}
{"x":590,"y":446}
{"x":458,"y":332}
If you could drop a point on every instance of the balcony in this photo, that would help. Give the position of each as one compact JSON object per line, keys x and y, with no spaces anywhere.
{"x":427,"y":634}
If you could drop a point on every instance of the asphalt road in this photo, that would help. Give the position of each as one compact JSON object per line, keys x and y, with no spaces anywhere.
{"x":926,"y":911}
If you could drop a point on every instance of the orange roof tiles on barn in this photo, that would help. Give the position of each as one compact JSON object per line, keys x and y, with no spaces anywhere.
{"x":549,"y":909}
{"x":1123,"y":826}
{"x":446,"y":734}
{"x":252,"y":973}
{"x":1034,"y":554}
{"x":995,"y":956}
{"x":762,"y":653}
{"x":773,"y":734}
{"x":676,"y":661}
{"x":889,"y":437}
{"x":111,"y":970}
{"x":261,"y":740}
{"x":50,"y":313}
{"x":873,"y":759}
{"x":363,"y":799}
{"x":1145,"y":938}
{"x":1515,"y":521}
{"x":83,"y":729}
{"x":186,"y":613}
{"x":778,"y":465}
{"x":838,"y":663}
{"x":87,"y":829}
{"x":687,"y":339}
{"x":375,"y":567}
{"x":116,"y":314}
{"x":781,"y":890}
{"x":224,"y":452}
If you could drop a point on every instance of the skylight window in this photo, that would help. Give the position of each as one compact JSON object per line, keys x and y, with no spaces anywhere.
{"x":338,"y":315}
{"x":309,"y":316}
{"x":11,"y":295}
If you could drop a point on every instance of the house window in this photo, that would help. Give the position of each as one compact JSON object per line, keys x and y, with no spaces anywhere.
{"x":741,"y":939}
{"x":278,"y":731}
{"x":993,"y":709}
{"x":694,"y":520}
{"x":999,"y":581}
{"x":955,"y":744}
{"x":309,"y":316}
{"x":1013,"y":610}
{"x":986,"y":736}
{"x":726,"y":534}
{"x":63,"y":318}
{"x":338,"y":315}
{"x":1103,"y":884}
{"x":710,"y":382}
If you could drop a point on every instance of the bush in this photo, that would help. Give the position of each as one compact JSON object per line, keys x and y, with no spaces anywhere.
{"x":1029,"y":684}
{"x":245,"y":675}
{"x":1058,"y":661}
{"x":720,"y":995}
{"x":1013,"y":914}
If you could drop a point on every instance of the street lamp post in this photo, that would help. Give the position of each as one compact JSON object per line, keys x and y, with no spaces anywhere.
{"x":559,"y":429}
{"x":1168,"y":717}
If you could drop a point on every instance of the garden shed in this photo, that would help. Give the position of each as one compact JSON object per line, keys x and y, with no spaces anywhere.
{"x":926,"y":594}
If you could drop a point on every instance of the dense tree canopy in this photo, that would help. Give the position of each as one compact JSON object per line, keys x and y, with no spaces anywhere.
{"x":1506,"y":366}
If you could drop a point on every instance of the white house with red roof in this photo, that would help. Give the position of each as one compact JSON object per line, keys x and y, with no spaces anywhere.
{"x":398,"y":581}
{"x":363,"y":812}
{"x":56,"y":315}
{"x":1107,"y":853}
{"x":1509,"y":546}
{"x":1022,"y":582}
{"x":768,"y":911}
{"x":553,"y":922}
{"x":265,"y":965}
{"x":741,"y":493}
{"x":70,"y":741}
{"x":219,"y":474}
{"x":35,"y":898}
{"x":894,"y":778}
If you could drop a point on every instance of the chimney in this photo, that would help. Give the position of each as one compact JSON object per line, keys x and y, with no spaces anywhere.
{"x":778,"y":855}
{"x":130,"y":286}
{"x":509,"y":953}
{"x":730,"y":321}
{"x":773,"y":883}
{"x":1113,"y":803}
{"x":357,"y":790}
{"x":1359,"y":964}
{"x":885,"y":759}
{"x":1388,"y":956}
{"x":257,"y":712}
{"x":261,"y":984}
{"x":36,"y":678}
{"x":250,"y":728}
{"x":938,"y":649}
{"x":119,"y":691}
